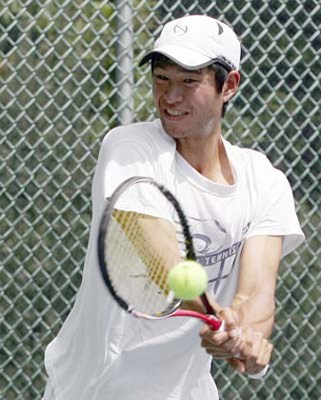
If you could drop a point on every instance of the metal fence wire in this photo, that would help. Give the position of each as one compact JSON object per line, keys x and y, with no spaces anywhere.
{"x":69,"y":72}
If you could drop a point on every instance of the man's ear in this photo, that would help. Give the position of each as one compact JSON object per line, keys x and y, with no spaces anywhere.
{"x":231,"y":85}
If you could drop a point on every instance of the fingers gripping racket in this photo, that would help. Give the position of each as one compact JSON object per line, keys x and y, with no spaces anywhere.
{"x":143,"y":233}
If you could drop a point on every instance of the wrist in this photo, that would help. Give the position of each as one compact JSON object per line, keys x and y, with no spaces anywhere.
{"x":259,"y":375}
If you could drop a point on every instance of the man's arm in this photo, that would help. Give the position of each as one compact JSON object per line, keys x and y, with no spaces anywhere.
{"x":255,"y":296}
{"x":252,"y":309}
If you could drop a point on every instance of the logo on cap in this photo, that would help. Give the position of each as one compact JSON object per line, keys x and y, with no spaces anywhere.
{"x":180,"y":30}
{"x":220,"y":29}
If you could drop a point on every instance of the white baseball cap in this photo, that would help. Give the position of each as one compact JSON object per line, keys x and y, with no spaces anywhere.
{"x":196,"y":41}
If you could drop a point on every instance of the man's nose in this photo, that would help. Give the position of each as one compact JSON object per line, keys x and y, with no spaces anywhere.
{"x":173,"y":93}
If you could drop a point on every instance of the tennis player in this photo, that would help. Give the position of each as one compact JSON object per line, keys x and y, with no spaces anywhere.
{"x":242,"y":216}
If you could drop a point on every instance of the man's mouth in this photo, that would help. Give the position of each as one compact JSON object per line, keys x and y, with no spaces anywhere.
{"x":175,"y":113}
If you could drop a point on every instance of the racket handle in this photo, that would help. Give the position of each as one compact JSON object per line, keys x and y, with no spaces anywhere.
{"x":213,"y":322}
{"x":222,"y":326}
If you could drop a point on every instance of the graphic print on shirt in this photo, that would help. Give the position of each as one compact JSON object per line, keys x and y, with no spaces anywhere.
{"x":215,"y":249}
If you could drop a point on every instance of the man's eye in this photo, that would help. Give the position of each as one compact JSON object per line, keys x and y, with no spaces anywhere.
{"x":161,"y":77}
{"x":190,"y":80}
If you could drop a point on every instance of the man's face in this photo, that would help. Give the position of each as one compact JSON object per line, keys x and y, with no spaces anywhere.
{"x":187,"y":101}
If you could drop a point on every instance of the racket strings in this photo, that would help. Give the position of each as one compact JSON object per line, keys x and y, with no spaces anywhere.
{"x":136,"y":228}
{"x":139,"y":261}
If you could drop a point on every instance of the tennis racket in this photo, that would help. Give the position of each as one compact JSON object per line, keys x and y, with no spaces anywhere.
{"x":143,"y":233}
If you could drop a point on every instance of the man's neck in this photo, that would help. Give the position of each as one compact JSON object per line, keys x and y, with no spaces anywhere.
{"x":208,"y":157}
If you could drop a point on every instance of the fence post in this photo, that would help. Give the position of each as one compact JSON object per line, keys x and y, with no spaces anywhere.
{"x":125,"y":67}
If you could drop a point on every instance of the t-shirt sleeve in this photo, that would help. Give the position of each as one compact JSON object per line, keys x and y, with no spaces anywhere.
{"x":124,"y":155}
{"x":275,"y":214}
{"x":121,"y":158}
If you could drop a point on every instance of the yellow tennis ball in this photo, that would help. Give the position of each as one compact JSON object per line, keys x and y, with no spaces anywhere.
{"x":188,"y":280}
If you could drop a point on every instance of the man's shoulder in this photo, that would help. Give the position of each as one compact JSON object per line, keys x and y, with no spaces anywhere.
{"x":251,"y":158}
{"x":256,"y":165}
{"x":136,"y":132}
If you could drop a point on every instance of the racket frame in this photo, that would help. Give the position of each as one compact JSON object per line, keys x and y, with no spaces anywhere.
{"x":173,"y":308}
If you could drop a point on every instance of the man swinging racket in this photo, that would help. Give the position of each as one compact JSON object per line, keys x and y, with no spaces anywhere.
{"x":241,"y":214}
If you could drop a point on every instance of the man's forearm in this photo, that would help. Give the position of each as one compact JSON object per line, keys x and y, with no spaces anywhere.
{"x":256,"y":312}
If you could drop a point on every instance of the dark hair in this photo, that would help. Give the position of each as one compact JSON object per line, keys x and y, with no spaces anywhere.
{"x":221,"y":71}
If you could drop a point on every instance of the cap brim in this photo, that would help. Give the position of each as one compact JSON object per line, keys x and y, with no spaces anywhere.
{"x":188,"y":59}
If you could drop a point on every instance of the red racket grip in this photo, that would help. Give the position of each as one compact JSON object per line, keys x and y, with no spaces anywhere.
{"x":214,"y":323}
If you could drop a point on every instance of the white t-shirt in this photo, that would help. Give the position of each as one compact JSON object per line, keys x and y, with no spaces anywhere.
{"x":103,"y":353}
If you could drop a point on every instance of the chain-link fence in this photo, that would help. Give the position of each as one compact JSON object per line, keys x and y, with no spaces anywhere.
{"x":69,"y":73}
